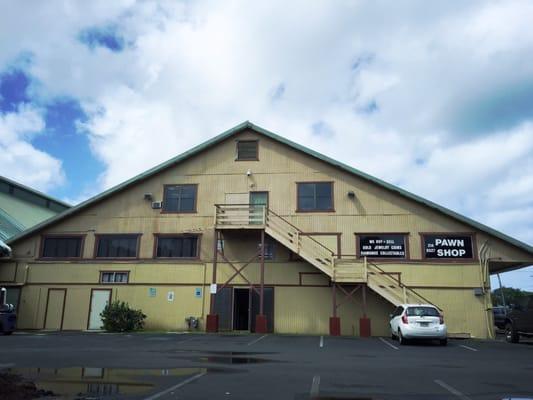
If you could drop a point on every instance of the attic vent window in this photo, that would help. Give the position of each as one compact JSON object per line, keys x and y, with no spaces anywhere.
{"x":247,"y":150}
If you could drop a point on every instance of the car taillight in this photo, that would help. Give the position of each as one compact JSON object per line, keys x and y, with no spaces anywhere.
{"x":404,"y":319}
{"x":441,"y":317}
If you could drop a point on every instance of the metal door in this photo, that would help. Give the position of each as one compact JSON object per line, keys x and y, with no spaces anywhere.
{"x":223,"y":308}
{"x":99,"y":299}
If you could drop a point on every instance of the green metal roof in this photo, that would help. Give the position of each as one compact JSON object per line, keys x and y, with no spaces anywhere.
{"x":248,"y":125}
{"x":9,"y":226}
{"x":58,"y":203}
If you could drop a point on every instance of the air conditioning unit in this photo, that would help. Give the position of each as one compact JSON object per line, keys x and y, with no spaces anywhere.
{"x":157,"y":204}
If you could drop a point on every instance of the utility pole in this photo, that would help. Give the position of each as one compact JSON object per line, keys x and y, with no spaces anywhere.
{"x":501,"y":291}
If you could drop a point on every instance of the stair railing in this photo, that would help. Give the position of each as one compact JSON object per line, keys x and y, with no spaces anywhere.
{"x":401,"y":285}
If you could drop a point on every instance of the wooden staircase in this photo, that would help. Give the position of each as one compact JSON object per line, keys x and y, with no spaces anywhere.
{"x":340,"y":270}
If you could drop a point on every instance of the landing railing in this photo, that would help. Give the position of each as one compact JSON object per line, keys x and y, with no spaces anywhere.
{"x":240,"y":216}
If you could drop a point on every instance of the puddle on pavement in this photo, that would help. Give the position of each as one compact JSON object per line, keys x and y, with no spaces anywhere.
{"x":100,"y":383}
{"x":227,"y":357}
{"x":234,"y":360}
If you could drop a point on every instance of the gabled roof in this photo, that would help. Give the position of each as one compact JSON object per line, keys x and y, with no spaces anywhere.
{"x":36,"y":193}
{"x":248,"y":125}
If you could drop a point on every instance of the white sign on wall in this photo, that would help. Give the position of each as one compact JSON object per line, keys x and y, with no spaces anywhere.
{"x":213,"y":288}
{"x":170,"y":296}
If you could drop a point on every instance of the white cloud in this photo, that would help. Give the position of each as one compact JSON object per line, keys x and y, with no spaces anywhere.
{"x":21,"y":161}
{"x":435,"y":100}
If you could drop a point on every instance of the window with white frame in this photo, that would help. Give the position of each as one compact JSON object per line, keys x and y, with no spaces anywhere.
{"x":114,"y":277}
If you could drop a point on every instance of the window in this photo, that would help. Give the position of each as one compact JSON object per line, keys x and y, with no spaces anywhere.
{"x":315,"y":196}
{"x":116,"y":246}
{"x":180,"y":198}
{"x":179,"y":246}
{"x":62,"y":247}
{"x":247,"y":150}
{"x":269,"y":250}
{"x":422,"y":311}
{"x":114,"y":277}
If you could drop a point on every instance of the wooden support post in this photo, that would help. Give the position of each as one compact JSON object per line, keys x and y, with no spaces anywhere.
{"x":334,"y":322}
{"x":364,"y":322}
{"x":334,"y":290}
{"x":212,"y":318}
{"x":260,"y":319}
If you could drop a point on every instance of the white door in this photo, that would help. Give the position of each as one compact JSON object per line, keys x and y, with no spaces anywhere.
{"x":99,"y":299}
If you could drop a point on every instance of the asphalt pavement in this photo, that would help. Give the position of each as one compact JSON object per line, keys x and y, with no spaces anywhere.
{"x":243,"y":366}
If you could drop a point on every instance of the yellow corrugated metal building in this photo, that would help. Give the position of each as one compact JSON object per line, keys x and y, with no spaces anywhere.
{"x":288,"y":239}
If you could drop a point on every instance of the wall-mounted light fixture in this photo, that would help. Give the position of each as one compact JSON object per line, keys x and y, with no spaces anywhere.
{"x":249,"y":172}
{"x":351,"y":194}
{"x":148,"y":196}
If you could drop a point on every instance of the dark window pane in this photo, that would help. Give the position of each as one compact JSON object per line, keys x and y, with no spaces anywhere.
{"x":117,"y":246}
{"x":247,"y":150}
{"x":306,"y":189}
{"x":63,"y":247}
{"x":179,"y":198}
{"x":323,"y":203}
{"x":177,"y":247}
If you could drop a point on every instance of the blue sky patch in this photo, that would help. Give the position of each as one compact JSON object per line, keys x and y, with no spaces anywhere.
{"x":278,"y":92}
{"x":107,"y":36}
{"x":14,"y":84}
{"x":63,"y":140}
{"x":321,"y":128}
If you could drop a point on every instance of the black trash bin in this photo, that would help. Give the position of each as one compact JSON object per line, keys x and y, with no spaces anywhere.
{"x":8,"y":319}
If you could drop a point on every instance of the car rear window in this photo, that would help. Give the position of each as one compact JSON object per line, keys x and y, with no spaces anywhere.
{"x":422,"y":311}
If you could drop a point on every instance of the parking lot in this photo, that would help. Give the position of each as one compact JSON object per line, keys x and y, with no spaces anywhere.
{"x":224,"y":366}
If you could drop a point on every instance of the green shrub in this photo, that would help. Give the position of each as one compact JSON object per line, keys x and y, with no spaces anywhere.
{"x":119,"y":317}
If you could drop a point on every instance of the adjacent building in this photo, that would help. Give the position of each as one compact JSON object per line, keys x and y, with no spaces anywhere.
{"x":250,"y":231}
{"x":21,"y":208}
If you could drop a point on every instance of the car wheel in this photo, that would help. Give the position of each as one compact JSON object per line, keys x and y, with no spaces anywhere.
{"x":510,"y":334}
{"x":393,"y":336}
{"x":401,"y":339}
{"x":443,"y":342}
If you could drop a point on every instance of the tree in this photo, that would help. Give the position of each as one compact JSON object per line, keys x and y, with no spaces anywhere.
{"x":511,"y":296}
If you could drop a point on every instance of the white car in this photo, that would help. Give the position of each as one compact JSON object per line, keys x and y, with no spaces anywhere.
{"x":418,"y":321}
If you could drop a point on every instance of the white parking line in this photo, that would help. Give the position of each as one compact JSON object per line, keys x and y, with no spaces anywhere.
{"x":388,"y":344}
{"x":467,"y":347}
{"x":315,"y":386}
{"x":452,"y":390}
{"x":170,"y":389}
{"x":256,"y":340}
{"x":321,"y":341}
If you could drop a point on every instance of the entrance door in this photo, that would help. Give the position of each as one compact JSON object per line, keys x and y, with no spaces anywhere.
{"x":241,"y":309}
{"x":258,"y":200}
{"x":55,"y":309}
{"x":223,"y":302}
{"x":99,"y":299}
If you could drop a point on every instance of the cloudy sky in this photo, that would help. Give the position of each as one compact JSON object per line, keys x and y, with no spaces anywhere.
{"x":434,"y":97}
